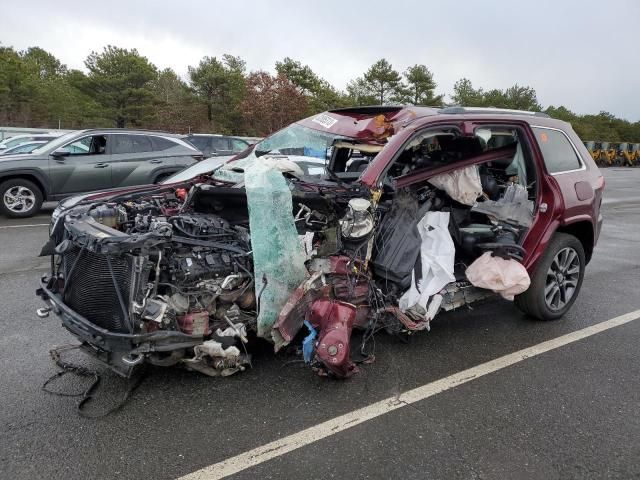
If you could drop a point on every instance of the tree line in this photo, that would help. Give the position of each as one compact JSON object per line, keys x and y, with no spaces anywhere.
{"x":121,"y":88}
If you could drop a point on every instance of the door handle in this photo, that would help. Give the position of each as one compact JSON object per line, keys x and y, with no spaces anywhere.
{"x":155,"y":160}
{"x":101,"y":165}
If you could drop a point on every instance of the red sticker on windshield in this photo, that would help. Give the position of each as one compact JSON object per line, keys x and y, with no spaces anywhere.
{"x":544,"y":137}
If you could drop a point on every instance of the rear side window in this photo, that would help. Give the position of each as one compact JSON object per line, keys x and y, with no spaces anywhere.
{"x":159,"y":143}
{"x":559,"y":155}
{"x":220,"y":143}
{"x":141,"y":144}
{"x":130,"y":144}
{"x":199,"y":142}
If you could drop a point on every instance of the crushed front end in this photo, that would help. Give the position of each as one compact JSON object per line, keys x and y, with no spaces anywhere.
{"x":137,"y":280}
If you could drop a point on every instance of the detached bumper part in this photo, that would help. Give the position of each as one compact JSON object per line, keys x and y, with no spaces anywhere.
{"x":118,"y":351}
{"x":334,"y":320}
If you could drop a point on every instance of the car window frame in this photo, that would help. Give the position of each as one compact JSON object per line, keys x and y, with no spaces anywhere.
{"x":405,"y":144}
{"x":107,"y":150}
{"x":583,"y":165}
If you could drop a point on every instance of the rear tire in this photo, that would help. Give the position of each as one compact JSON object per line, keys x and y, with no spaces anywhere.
{"x":556,"y":281}
{"x":20,"y":198}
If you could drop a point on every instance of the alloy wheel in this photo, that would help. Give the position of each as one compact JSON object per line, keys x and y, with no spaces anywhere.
{"x":562,"y":279}
{"x":19,"y":199}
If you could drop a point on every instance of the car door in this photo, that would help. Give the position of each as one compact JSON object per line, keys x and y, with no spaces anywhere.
{"x":134,"y":161}
{"x":81,"y":165}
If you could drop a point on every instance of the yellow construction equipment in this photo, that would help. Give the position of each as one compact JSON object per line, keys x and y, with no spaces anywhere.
{"x":635,"y":151}
{"x":607,"y":154}
{"x":624,"y":156}
{"x":595,"y":153}
{"x":590,"y":146}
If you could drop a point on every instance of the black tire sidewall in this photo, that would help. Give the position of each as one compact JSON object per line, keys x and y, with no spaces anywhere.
{"x":535,"y":293}
{"x":15,"y":182}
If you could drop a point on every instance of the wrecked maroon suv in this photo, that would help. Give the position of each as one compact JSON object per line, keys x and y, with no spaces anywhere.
{"x":375,"y":219}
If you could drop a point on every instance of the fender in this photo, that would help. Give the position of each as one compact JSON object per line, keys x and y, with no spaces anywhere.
{"x":551,"y":229}
{"x":34,"y":172}
{"x":577,"y":218}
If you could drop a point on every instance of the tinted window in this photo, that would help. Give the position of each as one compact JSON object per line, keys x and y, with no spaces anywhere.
{"x":141,"y":144}
{"x":558,"y":153}
{"x":130,"y":144}
{"x":218,"y":143}
{"x":199,"y":142}
{"x":121,"y":144}
{"x":160,"y":143}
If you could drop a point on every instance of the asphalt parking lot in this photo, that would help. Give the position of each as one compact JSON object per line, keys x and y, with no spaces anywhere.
{"x":572,"y":412}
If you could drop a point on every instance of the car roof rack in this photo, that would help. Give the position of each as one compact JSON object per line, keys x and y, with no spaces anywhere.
{"x":481,"y":110}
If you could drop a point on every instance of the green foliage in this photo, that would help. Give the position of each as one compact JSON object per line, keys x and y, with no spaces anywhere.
{"x":177,"y":108}
{"x":464,"y":94}
{"x":382,"y":81}
{"x":220,"y":85}
{"x":515,"y":97}
{"x":120,"y":81}
{"x":358,"y":93}
{"x":603,"y":127}
{"x":380,"y":85}
{"x":321,"y":95}
{"x":300,"y":75}
{"x":17,"y":90}
{"x":419,"y":87}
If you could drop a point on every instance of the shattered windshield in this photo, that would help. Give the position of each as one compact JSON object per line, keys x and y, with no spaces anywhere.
{"x":299,"y":142}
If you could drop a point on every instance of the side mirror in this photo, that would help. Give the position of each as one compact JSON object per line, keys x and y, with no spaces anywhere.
{"x":60,"y":152}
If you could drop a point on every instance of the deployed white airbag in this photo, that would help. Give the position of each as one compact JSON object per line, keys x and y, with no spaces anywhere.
{"x":506,"y":277}
{"x":437,"y":255}
{"x":463,"y":185}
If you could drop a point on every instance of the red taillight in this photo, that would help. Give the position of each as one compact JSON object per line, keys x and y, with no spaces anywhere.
{"x":600,"y":183}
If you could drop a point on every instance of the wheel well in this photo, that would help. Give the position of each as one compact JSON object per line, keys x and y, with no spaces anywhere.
{"x":163,"y":175}
{"x":31,"y":178}
{"x":583,"y":231}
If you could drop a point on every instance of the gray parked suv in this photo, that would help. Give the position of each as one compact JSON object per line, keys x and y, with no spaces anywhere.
{"x":89,"y":160}
{"x":216,"y":145}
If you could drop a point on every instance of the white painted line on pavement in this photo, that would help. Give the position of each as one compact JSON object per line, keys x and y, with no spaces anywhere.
{"x":25,"y":226}
{"x":326,"y":429}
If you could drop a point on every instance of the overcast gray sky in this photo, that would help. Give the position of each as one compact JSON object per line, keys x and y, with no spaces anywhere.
{"x":582,"y":54}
